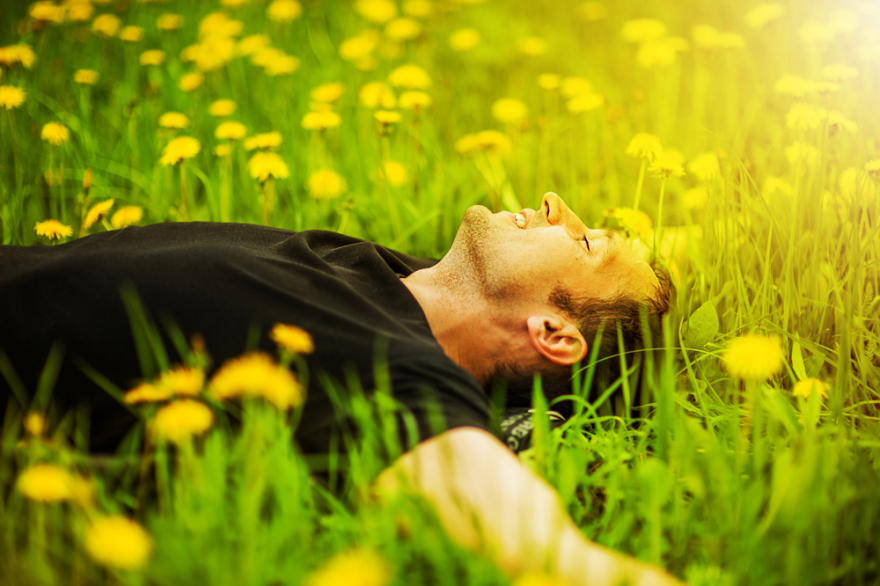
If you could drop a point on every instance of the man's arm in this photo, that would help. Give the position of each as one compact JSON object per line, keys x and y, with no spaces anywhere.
{"x":488,"y":501}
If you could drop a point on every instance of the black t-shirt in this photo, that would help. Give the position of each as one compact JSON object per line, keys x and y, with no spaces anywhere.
{"x":221,"y":281}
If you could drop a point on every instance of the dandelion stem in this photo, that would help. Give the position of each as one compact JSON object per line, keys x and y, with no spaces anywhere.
{"x":268,"y":198}
{"x":183,"y":191}
{"x":657,"y":238}
{"x":639,"y":187}
{"x":225,"y":170}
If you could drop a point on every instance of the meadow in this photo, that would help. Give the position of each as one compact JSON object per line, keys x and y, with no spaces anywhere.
{"x":739,"y":142}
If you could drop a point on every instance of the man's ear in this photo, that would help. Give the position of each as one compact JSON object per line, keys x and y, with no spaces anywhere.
{"x":556,"y":338}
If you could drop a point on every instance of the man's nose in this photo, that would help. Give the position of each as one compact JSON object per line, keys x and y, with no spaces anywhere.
{"x":557,"y":213}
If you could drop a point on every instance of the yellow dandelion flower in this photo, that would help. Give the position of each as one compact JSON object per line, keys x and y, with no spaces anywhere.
{"x":796,"y":86}
{"x":11,"y":96}
{"x":359,"y":566}
{"x":55,"y":133}
{"x":800,"y":152}
{"x":763,"y":14}
{"x":96,"y":212}
{"x":467,"y":144}
{"x":415,"y":100}
{"x":169,"y":22}
{"x":376,"y":94}
{"x":585,"y":103}
{"x":643,"y":30}
{"x":538,"y":579}
{"x":292,"y":338}
{"x":53,"y":229}
{"x":805,"y":117}
{"x":328,"y":92}
{"x":321,"y":120}
{"x":705,"y":167}
{"x":403,"y":29}
{"x":80,"y":11}
{"x":366,"y":64}
{"x":231,"y":130}
{"x":131,"y":34}
{"x":774,"y":185}
{"x":180,"y":149}
{"x":662,"y":53}
{"x":509,"y":110}
{"x":667,"y":164}
{"x":837,"y":120}
{"x":644,"y":146}
{"x":47,"y":11}
{"x":153,"y":57}
{"x":191,"y":81}
{"x":376,"y":11}
{"x":265,"y":164}
{"x":147,"y":393}
{"x":359,"y":45}
{"x":106,"y":25}
{"x":631,"y":224}
{"x":549,"y":81}
{"x":234,"y":3}
{"x":573,"y":86}
{"x":126,"y":216}
{"x":267,"y":140}
{"x":256,"y":375}
{"x":695,"y":198}
{"x":325,"y":184}
{"x":86,"y":76}
{"x":82,"y":491}
{"x":386,"y":117}
{"x":532,"y":46}
{"x":17,"y":54}
{"x":804,"y":388}
{"x":282,"y":65}
{"x":284,"y":10}
{"x":252,"y":44}
{"x":394,"y":173}
{"x":705,"y":36}
{"x":45,"y":483}
{"x":35,"y":424}
{"x":839,"y":72}
{"x":592,"y":11}
{"x":118,"y":542}
{"x":214,"y":52}
{"x":183,"y":380}
{"x":492,"y":142}
{"x":221,"y":108}
{"x":410,"y":76}
{"x":179,"y":421}
{"x":223,"y":150}
{"x":418,"y":8}
{"x":218,"y":24}
{"x":173,"y":120}
{"x":753,"y":357}
{"x":872,"y":167}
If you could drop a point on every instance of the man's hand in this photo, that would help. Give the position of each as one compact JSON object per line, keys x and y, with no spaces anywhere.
{"x":488,"y":501}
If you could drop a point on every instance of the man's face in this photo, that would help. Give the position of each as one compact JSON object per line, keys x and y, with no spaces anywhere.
{"x":551,"y":248}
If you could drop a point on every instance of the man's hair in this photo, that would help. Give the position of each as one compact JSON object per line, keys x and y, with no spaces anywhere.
{"x":595,"y":317}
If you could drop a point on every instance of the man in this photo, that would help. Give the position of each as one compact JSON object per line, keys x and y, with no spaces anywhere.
{"x":512,"y":297}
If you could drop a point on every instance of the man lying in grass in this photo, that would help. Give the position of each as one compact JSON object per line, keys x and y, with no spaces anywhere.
{"x":516,"y":294}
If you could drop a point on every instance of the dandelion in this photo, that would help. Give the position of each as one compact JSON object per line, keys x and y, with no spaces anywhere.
{"x":183,"y":380}
{"x":839,"y":72}
{"x":179,"y":149}
{"x":753,"y":357}
{"x":126,"y":216}
{"x":45,"y":483}
{"x":147,"y":393}
{"x":394,"y":173}
{"x":774,"y":185}
{"x":106,"y":25}
{"x":418,"y":8}
{"x":695,"y":198}
{"x":80,"y":11}
{"x":328,"y":92}
{"x":492,"y":141}
{"x":181,"y":420}
{"x":573,"y":86}
{"x":763,"y":14}
{"x":464,"y":39}
{"x":410,"y":76}
{"x":467,"y":144}
{"x":325,"y":184}
{"x":118,"y":542}
{"x":804,"y":388}
{"x":231,"y":131}
{"x":191,"y":81}
{"x":85,"y":76}
{"x":252,"y":44}
{"x":386,"y":117}
{"x":837,"y":120}
{"x":642,"y":30}
{"x":267,"y":140}
{"x":799,"y":87}
{"x":169,"y":22}
{"x":53,"y":229}
{"x":804,"y":117}
{"x":645,"y":146}
{"x":265,"y":164}
{"x":11,"y":96}
{"x":82,"y":491}
{"x":800,"y":152}
{"x":662,"y":53}
{"x":292,"y":338}
{"x":282,"y":65}
{"x":17,"y":55}
{"x":585,"y":103}
{"x":321,"y":120}
{"x":415,"y":100}
{"x":403,"y":29}
{"x":131,"y":34}
{"x":221,"y":108}
{"x":360,"y":566}
{"x":532,"y":46}
{"x":174,"y":120}
{"x":509,"y":110}
{"x":96,"y":212}
{"x":154,"y":57}
{"x":873,"y":168}
{"x":549,"y":81}
{"x":667,"y":164}
{"x":55,"y":134}
{"x":592,"y":11}
{"x":376,"y":94}
{"x":538,"y":579}
{"x":47,"y":11}
{"x":35,"y":424}
{"x":256,"y":375}
{"x":376,"y":11}
{"x":222,"y":150}
{"x":705,"y":166}
{"x":218,"y":24}
{"x":284,"y":11}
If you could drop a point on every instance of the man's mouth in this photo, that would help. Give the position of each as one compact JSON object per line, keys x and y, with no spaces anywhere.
{"x":519,"y":220}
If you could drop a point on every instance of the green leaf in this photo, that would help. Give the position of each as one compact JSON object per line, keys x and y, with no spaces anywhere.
{"x":702,"y":326}
{"x":797,"y":361}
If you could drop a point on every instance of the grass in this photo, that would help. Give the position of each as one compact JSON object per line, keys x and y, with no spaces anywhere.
{"x":722,"y":481}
